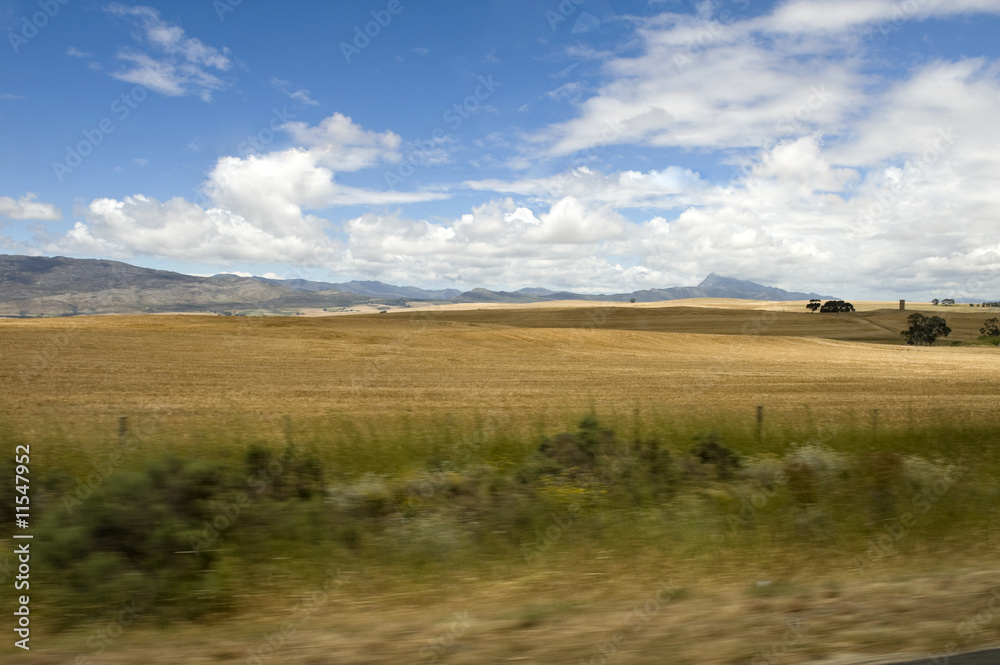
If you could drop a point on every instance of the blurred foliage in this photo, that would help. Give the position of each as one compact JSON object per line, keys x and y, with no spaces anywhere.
{"x":131,"y":539}
{"x":183,"y":537}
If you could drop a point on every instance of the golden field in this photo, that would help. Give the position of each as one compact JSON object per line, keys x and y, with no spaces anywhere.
{"x":683,"y":358}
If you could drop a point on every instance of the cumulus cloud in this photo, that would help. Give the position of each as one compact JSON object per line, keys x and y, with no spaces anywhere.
{"x":339,"y":141}
{"x":840,"y":173}
{"x":498,"y":243}
{"x":28,"y":207}
{"x":259,"y":208}
{"x":181,"y":230}
{"x":177,"y":65}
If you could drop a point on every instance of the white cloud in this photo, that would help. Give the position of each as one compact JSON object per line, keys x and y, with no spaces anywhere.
{"x":180,"y":230}
{"x":570,"y":222}
{"x":730,"y":91}
{"x":826,"y":16}
{"x":571,"y":90}
{"x":301,"y":95}
{"x":28,"y":207}
{"x":182,"y":64}
{"x":498,"y":243}
{"x":273,"y":189}
{"x":260,"y":208}
{"x":340,"y":142}
{"x":957,"y":99}
{"x":668,"y":188}
{"x":703,"y":82}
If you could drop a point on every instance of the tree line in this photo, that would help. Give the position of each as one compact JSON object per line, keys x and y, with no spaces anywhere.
{"x":830,"y":306}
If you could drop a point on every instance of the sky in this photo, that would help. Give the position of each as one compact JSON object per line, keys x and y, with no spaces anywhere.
{"x":848,"y":147}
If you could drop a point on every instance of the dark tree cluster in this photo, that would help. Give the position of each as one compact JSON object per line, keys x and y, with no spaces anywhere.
{"x":836,"y":306}
{"x":924,"y":330}
{"x":991,"y":328}
{"x":829,"y":306}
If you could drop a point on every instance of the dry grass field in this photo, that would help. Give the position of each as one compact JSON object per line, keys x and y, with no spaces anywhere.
{"x":681,"y":358}
{"x":533,"y":370}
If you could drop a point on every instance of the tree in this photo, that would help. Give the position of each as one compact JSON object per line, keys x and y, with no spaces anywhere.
{"x":948,"y":301}
{"x":813,"y":305}
{"x":991,"y":328}
{"x":836,"y":306}
{"x":924,"y":330}
{"x":935,"y":301}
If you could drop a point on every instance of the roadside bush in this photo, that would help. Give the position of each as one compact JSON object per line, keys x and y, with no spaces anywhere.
{"x":710,"y":451}
{"x":766,"y":470}
{"x":584,"y":452}
{"x":132,"y":538}
{"x":129,"y":540}
{"x":289,"y":475}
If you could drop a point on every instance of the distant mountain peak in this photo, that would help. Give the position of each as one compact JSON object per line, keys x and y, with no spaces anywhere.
{"x":719,"y":286}
{"x":715,"y":280}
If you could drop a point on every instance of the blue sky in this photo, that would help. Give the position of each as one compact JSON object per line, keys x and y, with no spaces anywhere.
{"x":845,"y":146}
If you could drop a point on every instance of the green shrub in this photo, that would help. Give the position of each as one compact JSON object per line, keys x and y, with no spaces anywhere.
{"x":710,"y":451}
{"x":130,"y":539}
{"x":163,"y":534}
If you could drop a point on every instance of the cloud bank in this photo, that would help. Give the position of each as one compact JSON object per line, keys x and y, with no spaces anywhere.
{"x":834,"y":176}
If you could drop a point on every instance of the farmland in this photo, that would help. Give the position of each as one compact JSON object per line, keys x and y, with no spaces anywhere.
{"x":381,"y":401}
{"x":460,"y":361}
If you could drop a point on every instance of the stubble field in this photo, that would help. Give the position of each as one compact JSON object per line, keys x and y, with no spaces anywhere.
{"x":682,"y":359}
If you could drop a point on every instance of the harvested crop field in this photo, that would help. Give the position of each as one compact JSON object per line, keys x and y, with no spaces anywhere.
{"x":688,"y":359}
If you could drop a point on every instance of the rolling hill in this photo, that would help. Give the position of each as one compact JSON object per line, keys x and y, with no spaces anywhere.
{"x":59,"y":286}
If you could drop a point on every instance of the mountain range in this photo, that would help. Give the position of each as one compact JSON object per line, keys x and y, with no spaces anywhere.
{"x":38,"y":285}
